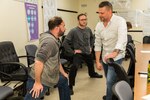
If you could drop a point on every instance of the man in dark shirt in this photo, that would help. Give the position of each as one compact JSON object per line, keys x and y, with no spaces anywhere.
{"x":78,"y":44}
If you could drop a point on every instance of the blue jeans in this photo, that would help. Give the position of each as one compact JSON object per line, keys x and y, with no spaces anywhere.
{"x":110,"y":75}
{"x":63,"y":88}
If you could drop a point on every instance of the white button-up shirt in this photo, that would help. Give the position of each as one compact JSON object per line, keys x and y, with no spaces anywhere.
{"x":113,"y":36}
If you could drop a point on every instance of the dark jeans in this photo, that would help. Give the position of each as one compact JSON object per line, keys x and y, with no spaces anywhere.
{"x":63,"y":88}
{"x":77,"y":61}
{"x":64,"y":93}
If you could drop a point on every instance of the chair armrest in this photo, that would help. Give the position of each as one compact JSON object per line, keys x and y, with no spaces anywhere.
{"x":25,"y":56}
{"x":110,"y":61}
{"x":16,"y":63}
{"x":5,"y":74}
{"x":29,"y":58}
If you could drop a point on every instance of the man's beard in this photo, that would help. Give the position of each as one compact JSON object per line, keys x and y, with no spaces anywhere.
{"x":83,"y":25}
{"x":102,"y":19}
{"x":61,"y":33}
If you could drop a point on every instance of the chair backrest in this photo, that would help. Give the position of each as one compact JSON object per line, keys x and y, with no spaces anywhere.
{"x":129,"y":39}
{"x":30,"y":51}
{"x":120,"y":71}
{"x":131,"y":51}
{"x":131,"y":69}
{"x":8,"y":54}
{"x":146,"y":39}
{"x":122,"y":90}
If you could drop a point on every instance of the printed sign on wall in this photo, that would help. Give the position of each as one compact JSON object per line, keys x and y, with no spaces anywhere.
{"x":32,"y":20}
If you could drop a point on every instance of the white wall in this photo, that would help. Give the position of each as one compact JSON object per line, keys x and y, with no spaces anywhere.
{"x":13,"y":21}
{"x":69,"y":18}
{"x":140,"y":4}
{"x":68,"y":4}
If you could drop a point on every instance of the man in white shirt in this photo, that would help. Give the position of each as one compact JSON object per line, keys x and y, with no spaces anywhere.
{"x":111,"y":35}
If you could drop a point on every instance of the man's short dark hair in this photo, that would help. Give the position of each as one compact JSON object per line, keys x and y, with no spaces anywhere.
{"x":80,"y":15}
{"x":106,"y":4}
{"x":53,"y":22}
{"x":129,"y":25}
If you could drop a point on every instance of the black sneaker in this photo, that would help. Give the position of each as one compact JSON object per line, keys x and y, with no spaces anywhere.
{"x":96,"y":75}
{"x":42,"y":98}
{"x":113,"y":97}
{"x":104,"y":97}
{"x":71,"y":92}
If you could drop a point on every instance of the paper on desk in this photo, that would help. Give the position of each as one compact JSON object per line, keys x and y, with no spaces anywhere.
{"x":143,"y":75}
{"x":145,"y":51}
{"x":146,"y":97}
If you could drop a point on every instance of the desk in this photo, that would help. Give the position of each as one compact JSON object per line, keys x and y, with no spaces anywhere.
{"x":140,"y":84}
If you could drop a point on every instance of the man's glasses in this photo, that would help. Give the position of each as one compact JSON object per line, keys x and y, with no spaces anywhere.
{"x":83,"y":19}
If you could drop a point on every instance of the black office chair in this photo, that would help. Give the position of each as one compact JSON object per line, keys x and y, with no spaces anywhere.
{"x":130,"y":44}
{"x":30,"y":51}
{"x":5,"y":91}
{"x":131,"y":69}
{"x":65,"y":55}
{"x":120,"y":71}
{"x":10,"y":66}
{"x":146,"y":39}
{"x":122,"y":90}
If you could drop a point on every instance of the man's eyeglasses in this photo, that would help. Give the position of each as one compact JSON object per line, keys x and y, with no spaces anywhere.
{"x":83,"y":19}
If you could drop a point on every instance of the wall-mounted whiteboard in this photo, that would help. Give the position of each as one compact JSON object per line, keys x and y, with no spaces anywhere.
{"x":49,"y":10}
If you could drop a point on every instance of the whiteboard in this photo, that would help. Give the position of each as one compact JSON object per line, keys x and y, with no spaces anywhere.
{"x":49,"y":11}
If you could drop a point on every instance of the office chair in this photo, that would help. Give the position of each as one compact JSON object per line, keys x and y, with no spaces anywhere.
{"x":146,"y":39}
{"x":65,"y":55}
{"x":130,"y":44}
{"x":30,"y":51}
{"x":129,"y":39}
{"x":5,"y":91}
{"x":122,"y":90}
{"x":10,"y":65}
{"x":120,"y":71}
{"x":131,"y":69}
